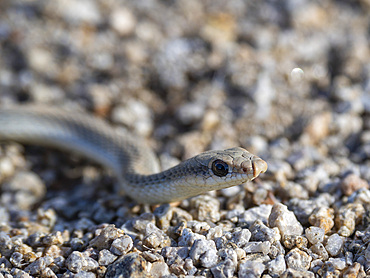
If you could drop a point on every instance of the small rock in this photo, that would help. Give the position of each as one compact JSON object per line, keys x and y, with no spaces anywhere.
{"x":188,"y":238}
{"x":24,"y":189}
{"x":120,"y":246}
{"x":347,"y":217}
{"x":159,"y":269}
{"x":284,"y":220}
{"x":318,"y":251}
{"x":241,"y":238}
{"x":277,"y":266}
{"x":354,"y":271}
{"x":123,"y":21}
{"x":251,"y":269}
{"x":224,"y":269}
{"x":260,"y":232}
{"x":105,"y":238}
{"x":204,"y":252}
{"x":106,"y":257}
{"x":292,"y":273}
{"x":295,"y":241}
{"x":315,"y":234}
{"x":298,"y":259}
{"x":352,"y":183}
{"x":334,"y":244}
{"x":323,"y":218}
{"x":206,"y":208}
{"x":78,"y":261}
{"x":130,"y":265}
{"x":257,"y":247}
{"x":154,"y":237}
{"x":37,"y":266}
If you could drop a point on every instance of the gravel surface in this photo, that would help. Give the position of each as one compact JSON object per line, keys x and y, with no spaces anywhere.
{"x":288,"y":80}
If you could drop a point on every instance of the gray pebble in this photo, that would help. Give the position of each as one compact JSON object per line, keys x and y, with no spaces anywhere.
{"x":24,"y":190}
{"x":262,"y":212}
{"x":315,"y":234}
{"x":241,"y":238}
{"x":78,"y":261}
{"x":318,"y":251}
{"x":122,"y":245}
{"x":276,"y":266}
{"x":298,"y":259}
{"x":260,"y":232}
{"x":284,"y":220}
{"x":106,"y":257}
{"x":188,"y":238}
{"x":224,"y":269}
{"x":334,"y":244}
{"x":257,"y":247}
{"x":204,"y":252}
{"x":159,"y":269}
{"x":84,"y":274}
{"x":251,"y":269}
{"x":130,"y":265}
{"x":105,"y":238}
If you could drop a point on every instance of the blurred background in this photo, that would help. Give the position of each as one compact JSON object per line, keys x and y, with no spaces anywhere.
{"x":288,"y":80}
{"x":195,"y":75}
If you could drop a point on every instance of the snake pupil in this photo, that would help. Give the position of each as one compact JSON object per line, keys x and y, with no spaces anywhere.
{"x":220,"y":168}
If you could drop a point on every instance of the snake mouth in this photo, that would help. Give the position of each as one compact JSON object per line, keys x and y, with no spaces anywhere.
{"x":259,"y":166}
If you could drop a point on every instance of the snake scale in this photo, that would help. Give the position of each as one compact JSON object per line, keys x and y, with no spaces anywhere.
{"x":132,"y":161}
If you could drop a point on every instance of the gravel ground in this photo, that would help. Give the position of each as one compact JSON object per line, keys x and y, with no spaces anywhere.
{"x":288,"y":80}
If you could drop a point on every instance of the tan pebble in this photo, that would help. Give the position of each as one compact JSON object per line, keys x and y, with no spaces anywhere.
{"x":354,"y":271}
{"x":210,"y":121}
{"x":347,"y":218}
{"x":318,"y":128}
{"x":352,"y":183}
{"x":323,"y":218}
{"x":53,"y":251}
{"x":123,"y":21}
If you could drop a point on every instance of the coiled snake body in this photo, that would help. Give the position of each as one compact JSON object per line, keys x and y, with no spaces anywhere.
{"x":131,"y":159}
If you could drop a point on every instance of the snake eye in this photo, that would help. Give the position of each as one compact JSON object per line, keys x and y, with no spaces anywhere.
{"x":220,"y":168}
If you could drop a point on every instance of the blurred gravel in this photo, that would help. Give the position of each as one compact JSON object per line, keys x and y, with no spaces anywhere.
{"x":288,"y":80}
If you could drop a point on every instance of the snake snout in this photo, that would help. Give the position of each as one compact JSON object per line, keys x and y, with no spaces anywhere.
{"x":259,"y":166}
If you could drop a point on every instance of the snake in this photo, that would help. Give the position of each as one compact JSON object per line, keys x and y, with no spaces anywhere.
{"x":133,"y":162}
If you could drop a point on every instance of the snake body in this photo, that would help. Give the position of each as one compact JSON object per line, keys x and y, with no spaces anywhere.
{"x":132,"y":161}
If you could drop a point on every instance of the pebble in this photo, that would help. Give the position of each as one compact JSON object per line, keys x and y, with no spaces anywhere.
{"x":24,"y":190}
{"x":205,"y":208}
{"x":319,"y":251}
{"x":105,"y":237}
{"x":78,"y":261}
{"x":347,"y":217}
{"x":106,"y":257}
{"x":123,"y":21}
{"x":257,"y":247}
{"x":334,"y":244}
{"x":204,"y":252}
{"x":241,"y":238}
{"x":224,"y":269}
{"x":122,"y":245}
{"x":298,"y":259}
{"x":251,"y":269}
{"x":314,"y":234}
{"x":284,"y":220}
{"x":323,"y":218}
{"x":277,"y":266}
{"x":129,"y":265}
{"x":352,"y":183}
{"x":155,"y":238}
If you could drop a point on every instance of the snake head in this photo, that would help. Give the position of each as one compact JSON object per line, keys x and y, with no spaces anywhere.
{"x":227,"y":168}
